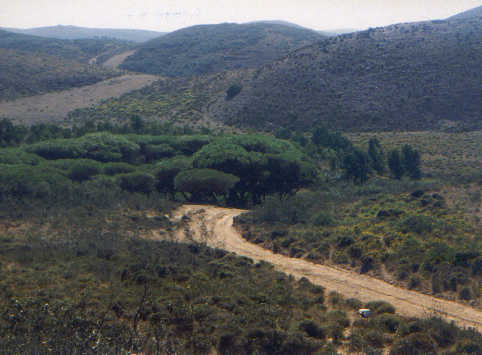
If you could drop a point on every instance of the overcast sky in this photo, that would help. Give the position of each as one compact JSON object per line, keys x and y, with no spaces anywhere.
{"x":168,"y":15}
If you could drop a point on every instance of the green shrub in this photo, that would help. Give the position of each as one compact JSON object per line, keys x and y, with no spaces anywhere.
{"x":204,"y":183}
{"x":323,"y":219}
{"x":419,"y":224}
{"x":117,"y":168}
{"x":81,"y":171}
{"x":137,"y":182}
{"x":233,"y":90}
{"x":379,"y":307}
{"x":18,"y":156}
{"x":312,"y":329}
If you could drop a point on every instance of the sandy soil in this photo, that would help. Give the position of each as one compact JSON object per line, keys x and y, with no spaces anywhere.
{"x":115,"y":61}
{"x":214,"y":226}
{"x":54,"y":107}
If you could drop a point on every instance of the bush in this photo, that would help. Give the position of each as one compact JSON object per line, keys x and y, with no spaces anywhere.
{"x":379,"y":307}
{"x":117,"y":168}
{"x":312,"y":329}
{"x":233,"y":90}
{"x":84,"y":170}
{"x":137,"y":182}
{"x":204,"y":183}
{"x":465,"y":294}
{"x":414,"y":344}
{"x":418,"y":224}
{"x":323,"y":219}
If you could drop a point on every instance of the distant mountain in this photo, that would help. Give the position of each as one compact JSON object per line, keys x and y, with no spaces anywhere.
{"x":337,"y":32}
{"x":406,"y":76}
{"x":31,"y":65}
{"x":473,"y":13}
{"x":213,"y":48}
{"x":73,"y":32}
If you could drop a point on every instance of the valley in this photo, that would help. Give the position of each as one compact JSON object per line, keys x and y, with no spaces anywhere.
{"x":241,"y":188}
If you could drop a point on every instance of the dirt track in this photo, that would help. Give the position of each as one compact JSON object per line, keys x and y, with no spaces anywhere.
{"x":214,"y":226}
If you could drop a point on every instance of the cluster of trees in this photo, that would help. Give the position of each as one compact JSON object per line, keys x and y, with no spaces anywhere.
{"x":358,"y":164}
{"x":236,"y":169}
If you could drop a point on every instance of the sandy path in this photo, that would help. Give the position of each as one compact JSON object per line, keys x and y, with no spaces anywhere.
{"x":214,"y":226}
{"x":54,"y":107}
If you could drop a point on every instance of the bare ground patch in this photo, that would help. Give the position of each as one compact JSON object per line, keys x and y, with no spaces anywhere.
{"x":54,"y":107}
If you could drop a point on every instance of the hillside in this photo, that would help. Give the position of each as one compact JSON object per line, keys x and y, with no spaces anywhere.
{"x":33,"y":65}
{"x":405,"y":76}
{"x":74,"y":32}
{"x":472,"y":13}
{"x":213,"y":48}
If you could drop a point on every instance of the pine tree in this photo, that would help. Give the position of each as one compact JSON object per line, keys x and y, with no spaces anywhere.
{"x":395,"y":164}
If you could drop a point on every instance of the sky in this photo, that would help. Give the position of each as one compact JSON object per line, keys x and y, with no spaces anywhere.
{"x":169,"y":15}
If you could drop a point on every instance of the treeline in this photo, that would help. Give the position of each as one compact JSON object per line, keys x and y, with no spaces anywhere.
{"x":358,"y":165}
{"x":233,"y":169}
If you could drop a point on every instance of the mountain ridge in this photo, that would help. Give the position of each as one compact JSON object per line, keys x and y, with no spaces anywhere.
{"x":404,"y":76}
{"x":206,"y":49}
{"x":76,"y":32}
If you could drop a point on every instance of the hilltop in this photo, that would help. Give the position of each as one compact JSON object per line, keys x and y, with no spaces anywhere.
{"x":33,"y":65}
{"x":208,"y":49}
{"x":472,"y":13}
{"x":406,"y":76}
{"x":74,"y":32}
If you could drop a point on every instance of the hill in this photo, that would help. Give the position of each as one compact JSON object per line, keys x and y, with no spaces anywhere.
{"x":406,"y":76}
{"x":33,"y":65}
{"x":74,"y":32}
{"x":213,"y":48}
{"x":472,"y":13}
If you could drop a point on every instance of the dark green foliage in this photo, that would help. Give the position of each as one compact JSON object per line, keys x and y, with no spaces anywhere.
{"x":233,"y":90}
{"x":117,"y":168}
{"x":11,"y":135}
{"x":312,"y":329}
{"x":321,"y":136}
{"x":167,"y":170}
{"x":137,"y":182}
{"x":379,"y":307}
{"x":357,"y":166}
{"x":414,"y":344}
{"x":82,"y":171}
{"x":18,"y":156}
{"x":377,"y":157}
{"x":103,"y":147}
{"x":323,"y":219}
{"x":395,"y":164}
{"x":204,"y":183}
{"x":418,"y":224}
{"x":21,"y":181}
{"x":411,"y":162}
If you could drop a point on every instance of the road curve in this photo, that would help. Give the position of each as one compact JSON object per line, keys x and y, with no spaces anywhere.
{"x":214,"y":226}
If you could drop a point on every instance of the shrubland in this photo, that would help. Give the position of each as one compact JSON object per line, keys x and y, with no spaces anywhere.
{"x":78,"y":274}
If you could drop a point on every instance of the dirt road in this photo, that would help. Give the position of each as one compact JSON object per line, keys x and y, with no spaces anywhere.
{"x":214,"y":226}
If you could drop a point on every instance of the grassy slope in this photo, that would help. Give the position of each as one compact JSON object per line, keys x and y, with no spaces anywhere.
{"x":34,"y":65}
{"x":405,"y":76}
{"x":212,"y":48}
